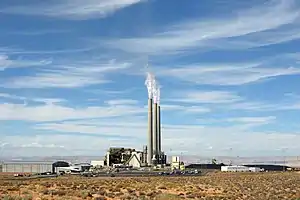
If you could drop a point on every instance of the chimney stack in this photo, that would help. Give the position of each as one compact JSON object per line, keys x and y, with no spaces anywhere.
{"x":155,"y":132}
{"x":150,"y":136}
{"x":158,"y":130}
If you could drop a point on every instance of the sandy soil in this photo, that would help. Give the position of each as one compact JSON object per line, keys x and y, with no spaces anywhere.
{"x":231,"y":186}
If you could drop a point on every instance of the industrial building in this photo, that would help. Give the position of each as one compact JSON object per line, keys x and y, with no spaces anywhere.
{"x":76,"y":168}
{"x":97,"y":163}
{"x":125,"y":157}
{"x":26,"y":167}
{"x":31,"y":167}
{"x":205,"y":166}
{"x":175,"y":164}
{"x":269,"y":167}
{"x":135,"y":160}
{"x":240,"y":168}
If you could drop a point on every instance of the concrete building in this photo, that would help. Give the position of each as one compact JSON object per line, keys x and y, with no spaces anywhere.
{"x":175,"y":164}
{"x":135,"y":160}
{"x":97,"y":163}
{"x":26,"y":167}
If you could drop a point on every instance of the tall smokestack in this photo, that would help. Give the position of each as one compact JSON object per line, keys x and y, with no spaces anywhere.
{"x":155,"y":130}
{"x":149,"y":84}
{"x":159,"y":129}
{"x":158,"y":120}
{"x":150,"y":131}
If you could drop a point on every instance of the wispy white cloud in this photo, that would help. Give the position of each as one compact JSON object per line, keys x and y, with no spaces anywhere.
{"x":230,"y":74}
{"x":242,"y":30}
{"x":53,"y":112}
{"x":124,"y":126}
{"x":218,"y":100}
{"x":256,"y":121}
{"x":252,"y":121}
{"x":26,"y":99}
{"x":38,"y":32}
{"x":70,"y":76}
{"x":185,"y":109}
{"x":121,"y":102}
{"x":206,"y":97}
{"x":72,"y":9}
{"x":6,"y":63}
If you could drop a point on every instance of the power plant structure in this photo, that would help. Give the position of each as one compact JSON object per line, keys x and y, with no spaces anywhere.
{"x":155,"y":155}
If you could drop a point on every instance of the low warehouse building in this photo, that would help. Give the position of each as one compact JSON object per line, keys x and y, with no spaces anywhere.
{"x":239,"y":168}
{"x":205,"y":166}
{"x":269,"y":167}
{"x":26,"y":167}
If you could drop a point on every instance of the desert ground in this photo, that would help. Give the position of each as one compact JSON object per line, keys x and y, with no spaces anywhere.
{"x":234,"y":186}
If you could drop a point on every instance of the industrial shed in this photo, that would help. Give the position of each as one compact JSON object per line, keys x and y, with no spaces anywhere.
{"x":235,"y":168}
{"x":26,"y":167}
{"x":59,"y":164}
{"x":270,"y":167}
{"x":205,"y":166}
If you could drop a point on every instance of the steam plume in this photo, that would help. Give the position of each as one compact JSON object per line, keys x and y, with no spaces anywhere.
{"x":149,"y":83}
{"x":155,"y":89}
{"x":157,"y":93}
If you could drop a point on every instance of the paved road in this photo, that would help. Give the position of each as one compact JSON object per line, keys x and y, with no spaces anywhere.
{"x":103,"y":174}
{"x":141,"y":174}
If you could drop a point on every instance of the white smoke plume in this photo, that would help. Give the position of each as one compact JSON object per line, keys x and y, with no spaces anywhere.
{"x":158,"y":93}
{"x":150,"y":84}
{"x":155,"y":86}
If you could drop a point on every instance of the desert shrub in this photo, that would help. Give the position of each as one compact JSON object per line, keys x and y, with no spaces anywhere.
{"x":45,"y":192}
{"x":167,"y":196}
{"x":13,"y":188}
{"x":142,"y":193}
{"x":99,"y":198}
{"x":60,"y":192}
{"x":10,"y":197}
{"x":191,"y":196}
{"x":162,"y":188}
{"x":84,"y":194}
{"x":101,"y":192}
{"x":27,"y":197}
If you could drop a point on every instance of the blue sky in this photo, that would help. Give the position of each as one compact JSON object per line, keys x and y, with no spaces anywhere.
{"x":72,"y":76}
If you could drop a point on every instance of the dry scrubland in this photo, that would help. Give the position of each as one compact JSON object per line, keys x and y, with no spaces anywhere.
{"x":215,"y":186}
